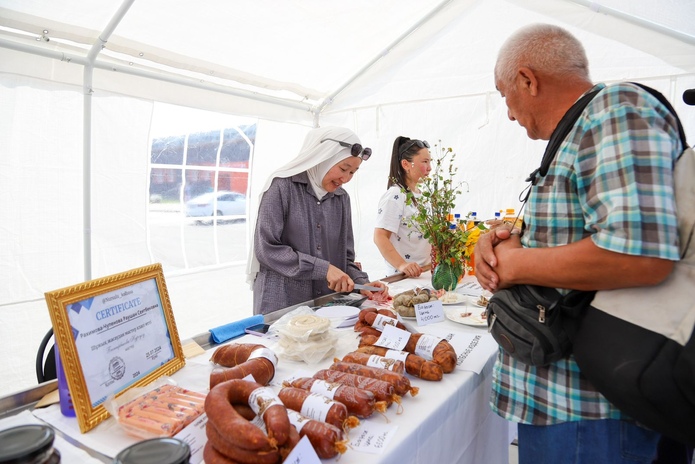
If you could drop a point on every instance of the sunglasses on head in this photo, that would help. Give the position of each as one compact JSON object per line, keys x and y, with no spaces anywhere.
{"x":355,"y":149}
{"x":408,"y":145}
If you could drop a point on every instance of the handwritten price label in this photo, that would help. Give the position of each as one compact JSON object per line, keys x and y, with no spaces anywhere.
{"x":429,"y":313}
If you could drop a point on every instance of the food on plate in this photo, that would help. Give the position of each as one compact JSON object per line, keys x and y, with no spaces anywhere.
{"x":359,"y":402}
{"x":401,"y":383}
{"x":414,"y":365}
{"x":327,"y":440}
{"x":428,"y":346}
{"x":482,"y":301}
{"x":237,"y":430}
{"x":383,"y":391}
{"x":404,"y":302}
{"x":161,"y":412}
{"x":375,"y":360}
{"x":317,"y":407}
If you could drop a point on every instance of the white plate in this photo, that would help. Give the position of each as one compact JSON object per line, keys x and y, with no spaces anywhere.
{"x":408,"y":318}
{"x":338,"y":311}
{"x":457,"y":315}
{"x":460,"y":299}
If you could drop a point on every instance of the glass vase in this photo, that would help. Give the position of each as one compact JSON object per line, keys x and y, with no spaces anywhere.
{"x":446,"y":275}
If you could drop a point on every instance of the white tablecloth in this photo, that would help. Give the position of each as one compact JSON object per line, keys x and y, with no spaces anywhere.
{"x":447,"y":422}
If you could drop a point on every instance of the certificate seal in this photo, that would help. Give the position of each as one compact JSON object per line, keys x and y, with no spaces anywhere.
{"x":116,"y":368}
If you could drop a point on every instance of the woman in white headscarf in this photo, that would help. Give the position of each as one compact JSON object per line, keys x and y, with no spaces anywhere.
{"x":303,"y":244}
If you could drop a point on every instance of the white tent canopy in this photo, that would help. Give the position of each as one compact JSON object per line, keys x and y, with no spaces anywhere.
{"x":82,"y":84}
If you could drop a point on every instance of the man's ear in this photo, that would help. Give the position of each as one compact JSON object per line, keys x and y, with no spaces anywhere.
{"x":528,"y":80}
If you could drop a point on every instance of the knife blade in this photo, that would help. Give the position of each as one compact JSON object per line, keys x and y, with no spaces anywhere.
{"x":367,"y":287}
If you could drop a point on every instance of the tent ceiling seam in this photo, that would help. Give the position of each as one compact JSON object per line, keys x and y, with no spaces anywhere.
{"x":329,"y":99}
{"x":158,"y":76}
{"x":598,"y":8}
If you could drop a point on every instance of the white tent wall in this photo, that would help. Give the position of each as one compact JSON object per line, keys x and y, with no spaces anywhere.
{"x":274,"y":61}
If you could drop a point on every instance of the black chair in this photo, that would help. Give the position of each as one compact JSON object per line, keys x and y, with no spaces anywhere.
{"x":46,"y":361}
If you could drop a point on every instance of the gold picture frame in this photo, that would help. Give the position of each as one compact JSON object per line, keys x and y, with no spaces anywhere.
{"x":114,"y":333}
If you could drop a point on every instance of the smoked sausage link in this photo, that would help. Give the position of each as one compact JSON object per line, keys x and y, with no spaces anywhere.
{"x":401,"y":383}
{"x":414,"y":365}
{"x":443,"y":353}
{"x":383,"y":391}
{"x":326,"y":439}
{"x":317,"y":407}
{"x":361,"y":403}
{"x":375,"y":360}
{"x":368,"y":317}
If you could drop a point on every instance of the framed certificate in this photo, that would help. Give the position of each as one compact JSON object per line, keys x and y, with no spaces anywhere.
{"x":114,"y":333}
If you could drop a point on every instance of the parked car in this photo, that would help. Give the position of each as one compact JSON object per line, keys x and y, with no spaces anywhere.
{"x":223,"y":202}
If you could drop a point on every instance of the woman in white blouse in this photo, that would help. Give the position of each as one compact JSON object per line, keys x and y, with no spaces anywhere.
{"x":403,"y":247}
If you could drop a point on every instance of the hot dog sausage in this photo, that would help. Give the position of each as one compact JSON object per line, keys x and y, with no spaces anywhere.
{"x":361,"y":403}
{"x":317,"y":407}
{"x":414,"y":365}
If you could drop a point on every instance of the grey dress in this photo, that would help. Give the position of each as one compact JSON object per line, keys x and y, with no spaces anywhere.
{"x":296,"y":238}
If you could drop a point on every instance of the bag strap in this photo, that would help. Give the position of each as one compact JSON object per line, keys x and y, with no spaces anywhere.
{"x":558,"y":136}
{"x":659,"y":96}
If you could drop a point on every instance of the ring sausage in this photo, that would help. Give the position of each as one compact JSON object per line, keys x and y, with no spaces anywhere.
{"x":261,"y":369}
{"x":225,"y":447}
{"x":230,"y":424}
{"x":234,"y":354}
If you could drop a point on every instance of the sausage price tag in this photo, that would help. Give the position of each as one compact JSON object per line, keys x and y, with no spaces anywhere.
{"x":429,"y":313}
{"x":371,"y":437}
{"x":303,"y":453}
{"x":393,"y":338}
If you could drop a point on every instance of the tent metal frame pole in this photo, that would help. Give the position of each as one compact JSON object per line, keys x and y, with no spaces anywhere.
{"x":88,"y":90}
{"x":598,"y":8}
{"x":170,"y":78}
{"x":329,"y":99}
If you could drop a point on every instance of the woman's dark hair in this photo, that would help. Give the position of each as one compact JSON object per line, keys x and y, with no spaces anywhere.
{"x":397,"y":173}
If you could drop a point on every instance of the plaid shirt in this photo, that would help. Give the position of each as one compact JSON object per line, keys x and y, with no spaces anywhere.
{"x":612,"y":179}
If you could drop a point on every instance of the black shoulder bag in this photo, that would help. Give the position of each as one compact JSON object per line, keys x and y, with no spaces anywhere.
{"x":530,"y":322}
